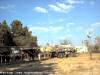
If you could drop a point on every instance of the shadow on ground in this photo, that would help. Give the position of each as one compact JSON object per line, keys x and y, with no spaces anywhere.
{"x":36,"y":67}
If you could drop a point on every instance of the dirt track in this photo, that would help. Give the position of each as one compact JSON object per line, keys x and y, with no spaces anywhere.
{"x":80,"y":65}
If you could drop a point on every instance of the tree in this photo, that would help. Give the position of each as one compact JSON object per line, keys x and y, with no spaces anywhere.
{"x":5,"y":25}
{"x":5,"y":33}
{"x":97,"y":40}
{"x":65,"y":42}
{"x":21,"y":35}
{"x":17,"y":35}
{"x":16,"y":27}
{"x":97,"y":44}
{"x":89,"y":44}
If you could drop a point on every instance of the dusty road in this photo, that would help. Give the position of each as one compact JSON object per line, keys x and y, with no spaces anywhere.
{"x":80,"y":65}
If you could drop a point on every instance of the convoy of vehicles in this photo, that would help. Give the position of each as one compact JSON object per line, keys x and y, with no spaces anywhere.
{"x":30,"y":54}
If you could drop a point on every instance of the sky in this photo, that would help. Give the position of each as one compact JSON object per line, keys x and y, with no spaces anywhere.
{"x":55,"y":20}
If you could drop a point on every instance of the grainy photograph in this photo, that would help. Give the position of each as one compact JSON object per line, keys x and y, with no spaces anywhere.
{"x":49,"y":37}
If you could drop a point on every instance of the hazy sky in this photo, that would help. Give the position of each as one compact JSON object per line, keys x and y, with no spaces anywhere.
{"x":53,"y":20}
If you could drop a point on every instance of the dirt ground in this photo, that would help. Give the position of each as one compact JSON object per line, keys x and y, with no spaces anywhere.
{"x":80,"y":65}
